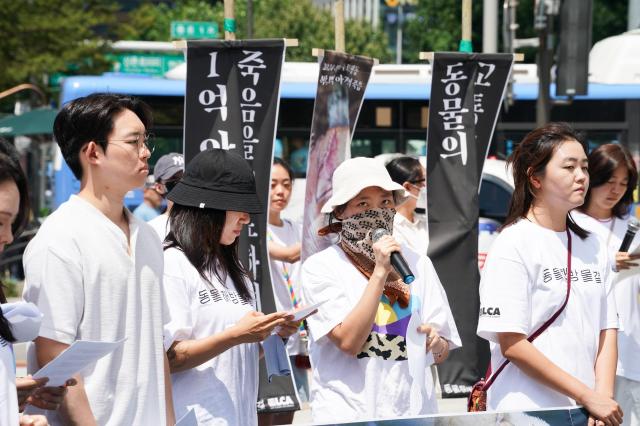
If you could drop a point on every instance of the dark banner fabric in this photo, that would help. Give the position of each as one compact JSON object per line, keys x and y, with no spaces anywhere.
{"x":342,"y":81}
{"x":231,"y":102}
{"x":466,"y":93}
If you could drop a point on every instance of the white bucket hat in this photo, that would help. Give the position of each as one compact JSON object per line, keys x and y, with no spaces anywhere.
{"x":356,"y":174}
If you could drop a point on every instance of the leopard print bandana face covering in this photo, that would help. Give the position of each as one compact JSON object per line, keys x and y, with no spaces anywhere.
{"x":357,"y":229}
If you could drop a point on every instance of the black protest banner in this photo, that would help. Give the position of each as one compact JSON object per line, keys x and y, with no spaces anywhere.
{"x":342,"y":81}
{"x":231,"y":102}
{"x":466,"y":93}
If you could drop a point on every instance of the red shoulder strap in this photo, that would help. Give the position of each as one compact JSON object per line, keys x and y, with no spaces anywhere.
{"x":489,"y":378}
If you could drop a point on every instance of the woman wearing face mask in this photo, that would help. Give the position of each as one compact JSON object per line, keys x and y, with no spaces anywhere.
{"x":15,"y":393}
{"x":605,"y":212}
{"x":373,"y":338}
{"x":283,"y":239}
{"x":212,"y":338}
{"x":408,"y":227}
{"x":552,"y":333}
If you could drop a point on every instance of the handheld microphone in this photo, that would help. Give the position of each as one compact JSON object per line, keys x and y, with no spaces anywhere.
{"x":397,"y":261}
{"x":632,"y":228}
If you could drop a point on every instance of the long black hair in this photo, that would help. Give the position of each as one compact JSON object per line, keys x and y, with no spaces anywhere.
{"x":10,"y":170}
{"x":530,"y":158}
{"x":405,"y":169}
{"x":197,"y":232}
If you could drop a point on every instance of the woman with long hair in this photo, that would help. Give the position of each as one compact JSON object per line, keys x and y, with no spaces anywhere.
{"x":605,"y":212}
{"x":374,"y":337}
{"x":14,"y":216}
{"x":545,"y":300}
{"x":283,"y":239}
{"x":212,"y":338}
{"x":410,"y":227}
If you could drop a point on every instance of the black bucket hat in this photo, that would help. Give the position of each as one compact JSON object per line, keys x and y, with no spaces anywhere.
{"x":218,"y":179}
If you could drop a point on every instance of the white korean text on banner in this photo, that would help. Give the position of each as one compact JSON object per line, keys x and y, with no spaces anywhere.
{"x":342,"y":82}
{"x":466,"y":94}
{"x":231,"y":103}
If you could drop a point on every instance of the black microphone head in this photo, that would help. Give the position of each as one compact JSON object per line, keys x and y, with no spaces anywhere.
{"x":633,"y":225}
{"x":379,"y":233}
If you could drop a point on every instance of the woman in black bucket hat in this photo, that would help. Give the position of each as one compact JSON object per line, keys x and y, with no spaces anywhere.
{"x":214,"y":331}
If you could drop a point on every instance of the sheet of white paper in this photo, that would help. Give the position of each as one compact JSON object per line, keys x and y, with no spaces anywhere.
{"x":188,"y":419}
{"x":300,"y":313}
{"x":74,"y":359}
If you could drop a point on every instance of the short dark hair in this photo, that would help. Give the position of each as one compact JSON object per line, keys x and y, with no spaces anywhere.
{"x":10,"y":170}
{"x":530,"y":158}
{"x":197,"y":232}
{"x":91,"y":119}
{"x":603,"y":161}
{"x":280,"y":162}
{"x":405,"y":169}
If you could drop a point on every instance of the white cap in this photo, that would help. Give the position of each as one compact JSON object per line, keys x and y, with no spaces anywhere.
{"x":356,"y":174}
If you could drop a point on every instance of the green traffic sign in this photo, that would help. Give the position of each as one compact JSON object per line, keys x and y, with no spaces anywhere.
{"x":145,"y":63}
{"x":193,"y":29}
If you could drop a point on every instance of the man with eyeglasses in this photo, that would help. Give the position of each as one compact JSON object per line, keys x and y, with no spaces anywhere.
{"x":168,"y":172}
{"x":95,"y":271}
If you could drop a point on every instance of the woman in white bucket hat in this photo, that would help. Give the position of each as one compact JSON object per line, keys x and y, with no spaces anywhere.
{"x":374,"y":337}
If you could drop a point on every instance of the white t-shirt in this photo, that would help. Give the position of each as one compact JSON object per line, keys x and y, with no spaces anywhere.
{"x":627,"y":292}
{"x":8,"y":395}
{"x":376,"y":383}
{"x":223,"y":390}
{"x":81,"y":276}
{"x":160,"y":224}
{"x":288,"y":234}
{"x":523,"y":284}
{"x":414,"y":234}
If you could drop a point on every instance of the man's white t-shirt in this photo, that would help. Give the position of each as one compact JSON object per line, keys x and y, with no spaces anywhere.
{"x":79,"y":273}
{"x":376,"y":383}
{"x":223,"y":390}
{"x":288,"y":234}
{"x":627,"y":292}
{"x":413,"y":234}
{"x":8,"y":395}
{"x":524,"y":282}
{"x":160,"y":224}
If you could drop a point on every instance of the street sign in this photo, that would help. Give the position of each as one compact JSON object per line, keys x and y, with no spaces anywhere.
{"x":145,"y":63}
{"x":194,"y":29}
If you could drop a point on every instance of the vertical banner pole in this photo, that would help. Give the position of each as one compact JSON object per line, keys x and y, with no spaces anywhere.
{"x":465,"y":42}
{"x":229,"y":21}
{"x":339,"y":25}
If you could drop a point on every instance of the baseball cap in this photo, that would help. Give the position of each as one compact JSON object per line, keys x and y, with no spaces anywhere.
{"x":168,"y":165}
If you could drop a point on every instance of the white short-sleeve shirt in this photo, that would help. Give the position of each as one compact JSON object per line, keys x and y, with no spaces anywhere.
{"x":626,"y":290}
{"x":223,"y":390}
{"x":376,"y":383}
{"x":524,"y":282}
{"x":80,"y":274}
{"x":8,"y":395}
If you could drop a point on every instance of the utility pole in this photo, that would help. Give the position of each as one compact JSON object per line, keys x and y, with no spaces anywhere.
{"x":543,"y":24}
{"x":634,"y":15}
{"x":249,"y":18}
{"x":399,"y":34}
{"x":490,"y":26}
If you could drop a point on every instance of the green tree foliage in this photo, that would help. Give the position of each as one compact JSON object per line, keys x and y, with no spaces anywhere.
{"x":437,"y":24}
{"x":272,"y":19}
{"x":42,"y":37}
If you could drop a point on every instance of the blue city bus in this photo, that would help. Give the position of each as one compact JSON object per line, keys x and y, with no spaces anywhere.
{"x":393,"y":117}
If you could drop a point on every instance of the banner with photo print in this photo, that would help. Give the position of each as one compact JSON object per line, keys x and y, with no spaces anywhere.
{"x":342,"y":82}
{"x":466,"y":93}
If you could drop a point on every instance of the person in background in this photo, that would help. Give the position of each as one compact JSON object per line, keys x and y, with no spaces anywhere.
{"x":151,"y":201}
{"x":95,"y":270}
{"x":283,"y":239}
{"x":408,"y":227}
{"x":168,"y":171}
{"x":15,"y":393}
{"x":605,"y":212}
{"x":359,"y":339}
{"x":525,"y":283}
{"x":212,"y":339}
